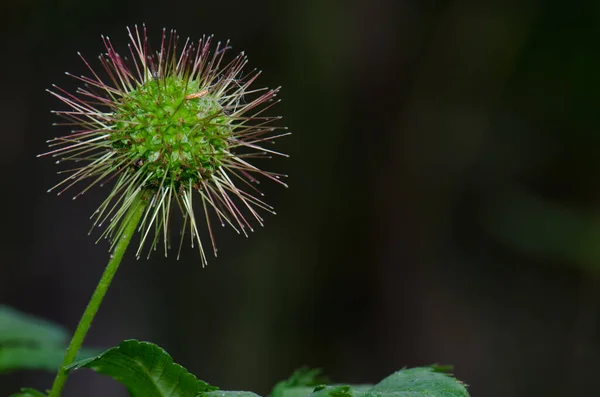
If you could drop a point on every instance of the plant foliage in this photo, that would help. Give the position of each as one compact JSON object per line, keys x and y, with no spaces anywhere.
{"x":28,"y":342}
{"x":146,"y":370}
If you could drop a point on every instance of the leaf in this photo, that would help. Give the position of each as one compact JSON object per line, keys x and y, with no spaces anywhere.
{"x":145,"y":370}
{"x":27,"y":392}
{"x":334,"y":391}
{"x":23,"y":357}
{"x":426,"y":381}
{"x":301,"y":383}
{"x":17,"y":326}
{"x":415,"y":382}
{"x":536,"y":226}
{"x":297,"y":391}
{"x":224,"y":393}
{"x":28,"y":342}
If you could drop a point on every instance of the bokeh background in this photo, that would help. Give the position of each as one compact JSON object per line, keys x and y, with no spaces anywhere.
{"x":444,"y":203}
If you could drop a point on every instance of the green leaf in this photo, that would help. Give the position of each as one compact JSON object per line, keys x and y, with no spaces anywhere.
{"x":334,"y":391}
{"x":24,"y":357}
{"x":223,"y":393}
{"x":298,"y":391}
{"x":27,"y":392}
{"x":28,"y":342}
{"x":426,"y":381}
{"x":145,"y":370}
{"x":301,"y":383}
{"x":17,"y":327}
{"x":415,"y":382}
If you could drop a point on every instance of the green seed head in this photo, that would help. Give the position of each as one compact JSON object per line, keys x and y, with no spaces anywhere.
{"x":170,"y":125}
{"x":173,"y":136}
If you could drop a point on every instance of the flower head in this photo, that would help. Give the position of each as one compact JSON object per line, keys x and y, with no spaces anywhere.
{"x":179,"y":128}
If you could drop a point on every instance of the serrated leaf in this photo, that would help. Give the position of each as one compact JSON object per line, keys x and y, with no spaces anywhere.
{"x":427,"y":381}
{"x":146,"y":370}
{"x":28,"y":342}
{"x":27,"y":392}
{"x":414,"y":382}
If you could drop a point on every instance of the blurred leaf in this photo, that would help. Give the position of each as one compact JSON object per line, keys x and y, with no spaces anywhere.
{"x":17,"y":326}
{"x":22,"y":357}
{"x":296,"y":391}
{"x":545,"y":229}
{"x":145,"y":370}
{"x":301,"y":383}
{"x":414,"y":382}
{"x":28,"y":342}
{"x":27,"y":392}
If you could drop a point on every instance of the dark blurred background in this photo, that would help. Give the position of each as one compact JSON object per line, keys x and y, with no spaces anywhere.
{"x":444,"y":203}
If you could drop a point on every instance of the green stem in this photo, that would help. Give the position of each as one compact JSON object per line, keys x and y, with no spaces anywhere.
{"x":130,"y":223}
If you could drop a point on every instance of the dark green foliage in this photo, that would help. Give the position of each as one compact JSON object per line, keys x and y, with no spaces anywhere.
{"x":17,"y":326}
{"x":146,"y":370}
{"x":28,"y":342}
{"x":415,"y":382}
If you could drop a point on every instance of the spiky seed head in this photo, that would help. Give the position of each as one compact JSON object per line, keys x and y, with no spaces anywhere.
{"x":173,"y":127}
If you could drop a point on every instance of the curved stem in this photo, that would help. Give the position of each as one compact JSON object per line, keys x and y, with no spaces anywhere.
{"x":130,"y":222}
